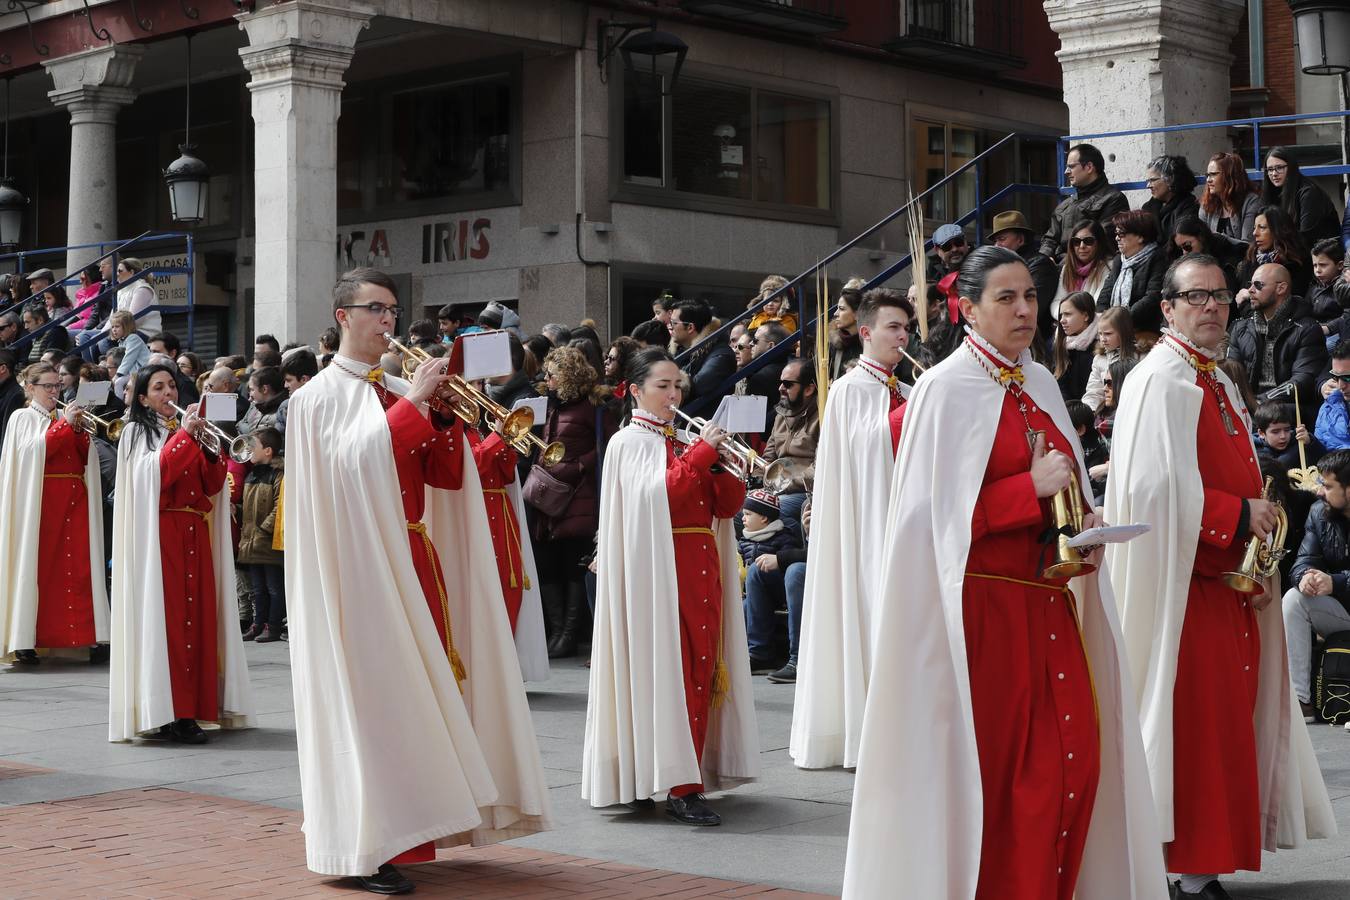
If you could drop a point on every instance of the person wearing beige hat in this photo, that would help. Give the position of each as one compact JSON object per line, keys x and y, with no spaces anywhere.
{"x":1011,"y":231}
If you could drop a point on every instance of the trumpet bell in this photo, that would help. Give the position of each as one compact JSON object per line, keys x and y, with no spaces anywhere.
{"x":114,"y":430}
{"x":1067,"y":510}
{"x":516,"y":423}
{"x":777,"y":477}
{"x":1069,"y":562}
{"x":239,"y":450}
{"x":1261,"y":558}
{"x":552,"y":454}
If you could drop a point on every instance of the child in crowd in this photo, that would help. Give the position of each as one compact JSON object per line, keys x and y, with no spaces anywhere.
{"x":1095,"y":450}
{"x":262,"y":493}
{"x":1329,"y":293}
{"x":1277,"y":438}
{"x":1115,"y":339}
{"x":763,"y":532}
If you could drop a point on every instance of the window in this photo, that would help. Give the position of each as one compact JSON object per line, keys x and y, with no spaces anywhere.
{"x":452,"y":144}
{"x":941,"y":148}
{"x":725,"y":142}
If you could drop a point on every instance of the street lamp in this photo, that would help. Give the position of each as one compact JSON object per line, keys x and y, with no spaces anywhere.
{"x":12,"y":202}
{"x":1323,"y":35}
{"x":665,"y":51}
{"x":187,"y":176}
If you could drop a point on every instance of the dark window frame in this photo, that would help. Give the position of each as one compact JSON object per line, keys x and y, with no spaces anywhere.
{"x":623,"y":191}
{"x":374,"y":94}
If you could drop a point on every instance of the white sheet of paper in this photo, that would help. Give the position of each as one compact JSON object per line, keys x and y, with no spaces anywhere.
{"x":486,"y":355}
{"x":220,"y":407}
{"x":92,"y":393}
{"x":537,"y":405}
{"x":742,"y":414}
{"x":1109,"y":534}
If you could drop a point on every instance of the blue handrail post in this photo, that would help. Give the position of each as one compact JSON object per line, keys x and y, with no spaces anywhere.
{"x":979,"y":203}
{"x":1062,"y":160}
{"x":1256,"y":145}
{"x":191,"y":292}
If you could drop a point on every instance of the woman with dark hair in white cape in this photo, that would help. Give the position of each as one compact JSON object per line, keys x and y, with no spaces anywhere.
{"x":670,"y":708}
{"x":1000,"y":755}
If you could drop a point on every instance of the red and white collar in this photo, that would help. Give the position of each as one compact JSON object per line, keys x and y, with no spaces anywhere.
{"x":648,"y":422}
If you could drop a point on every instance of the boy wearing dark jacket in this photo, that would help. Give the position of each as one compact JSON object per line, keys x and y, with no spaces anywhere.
{"x":257,"y":522}
{"x":764,"y":538}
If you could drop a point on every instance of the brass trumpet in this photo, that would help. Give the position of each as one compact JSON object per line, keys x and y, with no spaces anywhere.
{"x":90,"y":424}
{"x":741,"y":459}
{"x":462,"y":399}
{"x":212,"y":438}
{"x":1067,"y":508}
{"x":1262,"y":558}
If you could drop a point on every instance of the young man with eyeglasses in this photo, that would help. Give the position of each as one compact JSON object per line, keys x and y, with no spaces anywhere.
{"x":1333,"y":419}
{"x":372,"y":613}
{"x":1280,"y":344}
{"x":1200,"y":652}
{"x":711,"y":362}
{"x":1094,"y":198}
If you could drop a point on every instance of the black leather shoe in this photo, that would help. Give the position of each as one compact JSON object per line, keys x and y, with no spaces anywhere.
{"x":98,"y":654}
{"x":691,"y":810}
{"x":388,"y":880}
{"x":27,"y":658}
{"x":761,"y":666}
{"x":185,"y":731}
{"x":646,"y":804}
{"x":1211,"y":891}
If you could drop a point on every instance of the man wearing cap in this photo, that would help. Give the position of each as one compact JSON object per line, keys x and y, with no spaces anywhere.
{"x":949,"y":251}
{"x":39,"y":280}
{"x":1012,"y":231}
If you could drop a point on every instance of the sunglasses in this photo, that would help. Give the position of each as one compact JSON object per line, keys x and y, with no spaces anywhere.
{"x":954,"y":243}
{"x":1343,"y":379}
{"x":789,"y":382}
{"x":1083,"y":242}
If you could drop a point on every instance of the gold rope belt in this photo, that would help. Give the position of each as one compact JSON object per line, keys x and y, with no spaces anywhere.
{"x":1073,"y":611}
{"x":708,"y":532}
{"x":456,"y":664}
{"x":513,"y":557}
{"x":72,"y":475}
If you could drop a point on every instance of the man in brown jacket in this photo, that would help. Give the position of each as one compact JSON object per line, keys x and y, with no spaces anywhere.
{"x":793,"y":439}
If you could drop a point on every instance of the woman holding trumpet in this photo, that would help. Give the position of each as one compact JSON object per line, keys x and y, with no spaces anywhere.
{"x":52,"y":587}
{"x":177,"y":658}
{"x":1001,"y":667}
{"x":670,"y":710}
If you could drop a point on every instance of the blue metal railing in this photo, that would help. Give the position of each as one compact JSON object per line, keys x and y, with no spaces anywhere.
{"x":111,"y":291}
{"x":977,"y":215}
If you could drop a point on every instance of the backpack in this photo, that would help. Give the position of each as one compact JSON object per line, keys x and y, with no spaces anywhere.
{"x":1331,"y":693}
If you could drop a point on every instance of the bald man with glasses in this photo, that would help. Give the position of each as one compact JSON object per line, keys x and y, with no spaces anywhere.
{"x":1279,"y":343}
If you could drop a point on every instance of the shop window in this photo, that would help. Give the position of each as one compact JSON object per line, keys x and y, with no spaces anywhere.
{"x":726,"y":142}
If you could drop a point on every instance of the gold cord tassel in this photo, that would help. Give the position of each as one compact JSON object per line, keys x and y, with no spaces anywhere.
{"x":457,"y":666}
{"x":721,"y":683}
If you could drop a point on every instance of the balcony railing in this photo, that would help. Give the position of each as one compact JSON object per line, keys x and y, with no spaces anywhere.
{"x":982,"y":34}
{"x":799,"y":16}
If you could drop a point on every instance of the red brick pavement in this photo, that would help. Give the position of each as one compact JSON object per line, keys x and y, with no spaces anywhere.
{"x":166,"y":843}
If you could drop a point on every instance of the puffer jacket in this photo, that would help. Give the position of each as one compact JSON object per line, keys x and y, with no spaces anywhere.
{"x":576,"y":425}
{"x":1326,"y":549}
{"x":262,"y":491}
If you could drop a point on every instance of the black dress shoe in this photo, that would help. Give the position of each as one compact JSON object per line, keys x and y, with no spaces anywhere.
{"x":27,"y":658}
{"x":388,"y":880}
{"x":761,"y":666}
{"x":184,"y":731}
{"x":645,"y":804}
{"x":98,"y":654}
{"x":1211,"y":891}
{"x":691,"y":810}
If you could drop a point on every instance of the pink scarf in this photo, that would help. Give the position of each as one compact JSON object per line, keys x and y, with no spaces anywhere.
{"x":1081,"y":274}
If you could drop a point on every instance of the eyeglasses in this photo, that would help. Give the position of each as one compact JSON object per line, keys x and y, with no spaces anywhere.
{"x":1088,"y":241}
{"x":1275,"y":170}
{"x":1074,"y":165}
{"x":953,"y":244}
{"x":789,"y":382}
{"x":1343,"y":378}
{"x":375,"y":309}
{"x":1210,"y":176}
{"x":54,"y":386}
{"x":1200,"y":296}
{"x":1106,"y":382}
{"x":1259,"y":285}
{"x":1153,"y":179}
{"x":1187,"y":247}
{"x":676,"y":323}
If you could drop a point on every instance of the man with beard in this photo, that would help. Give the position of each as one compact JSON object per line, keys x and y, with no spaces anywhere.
{"x":949,"y":251}
{"x":796,"y":431}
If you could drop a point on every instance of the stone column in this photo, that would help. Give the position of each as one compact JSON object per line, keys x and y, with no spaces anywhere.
{"x":297,"y":54}
{"x":94,"y":85}
{"x":1132,"y":64}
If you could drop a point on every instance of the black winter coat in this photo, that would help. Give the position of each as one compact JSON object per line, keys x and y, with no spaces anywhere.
{"x":1326,"y":549}
{"x":1097,"y":201}
{"x":1145,"y":293}
{"x":777,"y":542}
{"x":575,"y":425}
{"x":1300,"y":355}
{"x":1170,"y":213}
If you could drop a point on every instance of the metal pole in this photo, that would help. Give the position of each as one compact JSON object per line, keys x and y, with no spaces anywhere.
{"x":191,"y":292}
{"x":979,"y":203}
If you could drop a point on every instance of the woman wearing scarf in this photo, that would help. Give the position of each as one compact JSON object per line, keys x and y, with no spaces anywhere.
{"x":1136,"y":275}
{"x":1086,"y":265}
{"x":670,"y":709}
{"x":177,"y":657}
{"x":1074,"y":341}
{"x":52,"y":585}
{"x":1274,"y":240}
{"x":1001,"y":755}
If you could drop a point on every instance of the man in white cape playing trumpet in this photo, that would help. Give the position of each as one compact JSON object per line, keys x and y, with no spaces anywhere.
{"x":410,"y":713}
{"x":854,"y":461}
{"x":1230,"y":762}
{"x":53,"y":593}
{"x":1000,"y":755}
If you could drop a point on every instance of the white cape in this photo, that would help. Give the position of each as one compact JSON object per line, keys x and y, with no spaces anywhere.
{"x":1154,"y":479}
{"x":637,"y":726}
{"x":388,"y":755}
{"x":22,"y":463}
{"x":531,"y":642}
{"x":494,"y":694}
{"x":917,"y":801}
{"x":854,"y":463}
{"x":140,"y":693}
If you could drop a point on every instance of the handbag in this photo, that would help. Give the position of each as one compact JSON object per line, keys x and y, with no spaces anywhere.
{"x":1332,"y":685}
{"x":546,"y":493}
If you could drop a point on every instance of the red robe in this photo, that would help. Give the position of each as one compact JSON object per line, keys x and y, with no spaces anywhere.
{"x":496,"y":463}
{"x":1030,"y":688}
{"x":65,"y":614}
{"x":187,"y":482}
{"x":697,"y":496}
{"x":424,"y":455}
{"x":1216,"y":810}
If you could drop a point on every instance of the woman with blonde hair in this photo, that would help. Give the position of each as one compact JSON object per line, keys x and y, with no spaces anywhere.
{"x":1115,"y":340}
{"x":776,"y":310}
